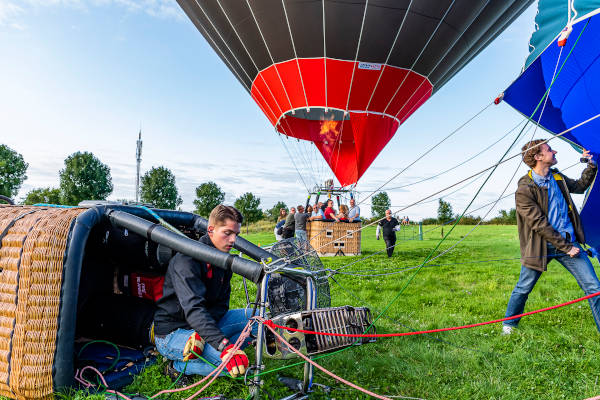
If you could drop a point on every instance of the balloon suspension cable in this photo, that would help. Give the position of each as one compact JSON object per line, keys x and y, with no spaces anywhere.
{"x":493,"y":167}
{"x":503,"y":158}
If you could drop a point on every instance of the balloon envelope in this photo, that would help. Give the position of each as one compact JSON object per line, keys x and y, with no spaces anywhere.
{"x":573,"y":97}
{"x":344,"y":75}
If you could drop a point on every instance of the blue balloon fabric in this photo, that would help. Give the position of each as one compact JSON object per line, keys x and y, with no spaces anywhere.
{"x":574,"y":97}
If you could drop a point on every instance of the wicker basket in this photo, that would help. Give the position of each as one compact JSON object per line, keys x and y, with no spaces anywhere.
{"x":334,"y":238}
{"x":33,"y":244}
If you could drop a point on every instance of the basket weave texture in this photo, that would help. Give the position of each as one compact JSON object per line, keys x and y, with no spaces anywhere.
{"x":32,"y":256}
{"x":328,"y":238}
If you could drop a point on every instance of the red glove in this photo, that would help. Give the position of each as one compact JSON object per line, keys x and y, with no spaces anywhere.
{"x":238,"y":362}
{"x":195,"y":344}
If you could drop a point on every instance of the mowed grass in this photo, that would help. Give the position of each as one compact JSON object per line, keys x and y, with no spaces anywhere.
{"x":554,"y":355}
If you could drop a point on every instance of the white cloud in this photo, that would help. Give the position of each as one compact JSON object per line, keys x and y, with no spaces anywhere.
{"x":11,"y":14}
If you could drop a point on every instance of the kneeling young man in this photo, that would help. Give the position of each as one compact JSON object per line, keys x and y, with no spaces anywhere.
{"x":193,"y":314}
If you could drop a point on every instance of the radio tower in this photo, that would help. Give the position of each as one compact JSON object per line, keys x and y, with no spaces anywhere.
{"x":138,"y":158}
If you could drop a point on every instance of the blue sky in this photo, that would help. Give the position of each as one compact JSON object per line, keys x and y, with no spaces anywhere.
{"x":79,"y":75}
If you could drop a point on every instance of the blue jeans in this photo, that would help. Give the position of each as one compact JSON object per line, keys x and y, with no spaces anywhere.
{"x":301,"y":234}
{"x":171,"y":346}
{"x":580,"y":267}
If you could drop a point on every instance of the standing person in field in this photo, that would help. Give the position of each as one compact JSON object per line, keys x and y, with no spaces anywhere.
{"x":389,"y":225}
{"x":300,"y":219}
{"x":290,"y":223}
{"x":550,"y":228}
{"x":193,"y":315}
{"x":354,"y":213}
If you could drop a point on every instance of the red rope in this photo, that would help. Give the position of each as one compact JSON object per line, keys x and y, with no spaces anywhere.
{"x":452,"y":328}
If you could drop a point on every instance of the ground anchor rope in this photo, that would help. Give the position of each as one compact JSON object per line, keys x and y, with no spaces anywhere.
{"x":272,"y":325}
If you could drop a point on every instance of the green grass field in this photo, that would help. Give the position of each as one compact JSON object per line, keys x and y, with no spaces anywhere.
{"x":551,"y":356}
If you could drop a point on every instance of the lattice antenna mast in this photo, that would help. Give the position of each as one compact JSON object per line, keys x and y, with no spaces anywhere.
{"x":138,"y":158}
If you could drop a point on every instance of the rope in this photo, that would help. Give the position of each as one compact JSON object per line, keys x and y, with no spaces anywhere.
{"x":215,"y":373}
{"x":420,"y":54}
{"x":272,"y":325}
{"x":437,"y":339}
{"x":442,"y":58}
{"x":427,"y":152}
{"x":294,"y":163}
{"x":544,"y":97}
{"x":400,"y":270}
{"x":457,"y":165}
{"x":314,"y":364}
{"x":387,"y":59}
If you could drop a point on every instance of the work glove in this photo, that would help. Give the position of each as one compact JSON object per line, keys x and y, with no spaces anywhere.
{"x":377,"y":232}
{"x":195,"y":344}
{"x":238,"y":362}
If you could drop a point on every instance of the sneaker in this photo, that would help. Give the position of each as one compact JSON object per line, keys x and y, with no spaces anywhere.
{"x":507,"y":329}
{"x":174,"y":375}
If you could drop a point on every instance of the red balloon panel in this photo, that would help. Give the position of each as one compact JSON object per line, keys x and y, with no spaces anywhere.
{"x":348,"y":146}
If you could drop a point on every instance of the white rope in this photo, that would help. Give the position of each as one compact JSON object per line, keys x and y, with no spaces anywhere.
{"x":222,"y":39}
{"x":428,"y":151}
{"x":295,"y":54}
{"x":234,"y":56}
{"x":269,"y":52}
{"x":249,"y":55}
{"x":294,"y":147}
{"x":493,"y":166}
{"x":461,"y":163}
{"x":448,"y":49}
{"x":420,"y":54}
{"x":325,"y":53}
{"x":389,"y":54}
{"x":339,"y":138}
{"x":294,"y":163}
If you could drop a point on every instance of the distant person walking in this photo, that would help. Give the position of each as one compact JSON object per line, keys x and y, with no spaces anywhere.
{"x":300,"y":219}
{"x":389,"y":225}
{"x":550,"y":228}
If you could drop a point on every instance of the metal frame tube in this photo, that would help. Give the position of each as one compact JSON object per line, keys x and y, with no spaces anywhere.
{"x":260,"y":343}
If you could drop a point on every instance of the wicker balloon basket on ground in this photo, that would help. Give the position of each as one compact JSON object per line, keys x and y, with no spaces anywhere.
{"x":334,"y":238}
{"x":34,"y":246}
{"x":60,"y":269}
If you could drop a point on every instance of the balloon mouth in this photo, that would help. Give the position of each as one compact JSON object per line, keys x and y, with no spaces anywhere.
{"x":319,"y":114}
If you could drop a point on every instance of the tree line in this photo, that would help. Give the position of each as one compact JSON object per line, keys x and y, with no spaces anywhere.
{"x":85,"y":177}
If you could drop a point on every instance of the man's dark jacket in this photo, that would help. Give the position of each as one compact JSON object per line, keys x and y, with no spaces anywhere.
{"x":532,"y":216}
{"x":195,"y":296}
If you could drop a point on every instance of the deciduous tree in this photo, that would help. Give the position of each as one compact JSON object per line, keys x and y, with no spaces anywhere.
{"x":43,"y":195}
{"x":158,"y":188}
{"x":444,"y":211}
{"x":248,"y":205}
{"x":12,"y":171}
{"x":273,"y":212}
{"x":208,"y":196}
{"x":84,"y":178}
{"x":380,"y":203}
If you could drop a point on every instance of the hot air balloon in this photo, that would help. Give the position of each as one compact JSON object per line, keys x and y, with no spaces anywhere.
{"x":344,"y":75}
{"x":569,"y":29}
